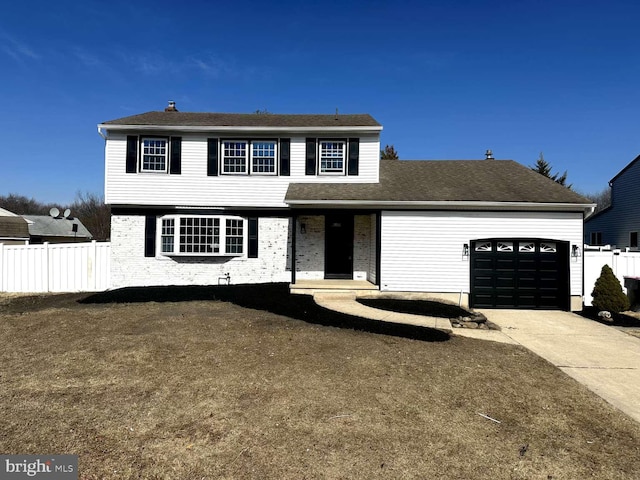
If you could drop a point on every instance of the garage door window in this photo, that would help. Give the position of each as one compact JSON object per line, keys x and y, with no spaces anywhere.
{"x":548,"y":247}
{"x":483,"y":247}
{"x":527,"y":247}
{"x":505,"y":246}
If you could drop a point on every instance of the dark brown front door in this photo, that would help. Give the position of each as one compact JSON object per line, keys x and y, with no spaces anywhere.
{"x":338,"y":246}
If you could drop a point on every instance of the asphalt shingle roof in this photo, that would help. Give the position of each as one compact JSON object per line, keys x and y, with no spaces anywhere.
{"x":47,"y":226}
{"x":444,"y":180}
{"x":202,"y":119}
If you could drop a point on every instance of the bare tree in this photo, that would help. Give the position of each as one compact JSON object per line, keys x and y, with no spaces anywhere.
{"x":21,"y":205}
{"x":93,"y":213}
{"x":601,"y":198}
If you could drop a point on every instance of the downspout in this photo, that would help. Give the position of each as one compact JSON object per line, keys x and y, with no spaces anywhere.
{"x":101,"y":134}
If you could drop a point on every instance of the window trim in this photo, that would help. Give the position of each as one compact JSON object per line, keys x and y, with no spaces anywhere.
{"x":167,"y":150}
{"x":343,"y":142}
{"x":246,"y":155}
{"x":222,"y":237}
{"x":275,"y":156}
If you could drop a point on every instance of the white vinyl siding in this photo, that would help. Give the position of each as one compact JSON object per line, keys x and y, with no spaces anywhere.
{"x":422,"y":251}
{"x":194,"y":188}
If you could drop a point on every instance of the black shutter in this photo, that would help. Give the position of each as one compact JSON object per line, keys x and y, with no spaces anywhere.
{"x":311,"y":157}
{"x":212,"y":157}
{"x":132,"y":154}
{"x":175,"y":165}
{"x":150,"y":236}
{"x":253,"y":237}
{"x":354,"y":154}
{"x":285,"y":157}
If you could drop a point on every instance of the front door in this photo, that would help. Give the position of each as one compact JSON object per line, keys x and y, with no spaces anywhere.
{"x":338,"y":246}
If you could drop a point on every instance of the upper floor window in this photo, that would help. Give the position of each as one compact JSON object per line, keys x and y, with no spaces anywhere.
{"x":154,"y":155}
{"x":234,"y":156}
{"x":633,"y":239}
{"x":332,"y":156}
{"x":202,"y":235}
{"x":263,"y":157}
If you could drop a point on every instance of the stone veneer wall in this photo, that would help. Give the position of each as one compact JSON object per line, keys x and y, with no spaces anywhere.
{"x":129,"y":266}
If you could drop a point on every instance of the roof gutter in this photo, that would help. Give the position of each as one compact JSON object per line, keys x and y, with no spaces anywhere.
{"x":100,"y":127}
{"x":441,"y":204}
{"x":226,"y":128}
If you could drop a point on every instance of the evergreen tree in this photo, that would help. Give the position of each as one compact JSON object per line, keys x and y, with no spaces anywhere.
{"x":389,"y":153}
{"x":544,"y":168}
{"x":607,"y":293}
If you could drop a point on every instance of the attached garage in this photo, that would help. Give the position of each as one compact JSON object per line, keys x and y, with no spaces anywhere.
{"x":519,"y":273}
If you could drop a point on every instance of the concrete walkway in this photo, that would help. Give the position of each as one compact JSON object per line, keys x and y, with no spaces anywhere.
{"x":604,"y":359}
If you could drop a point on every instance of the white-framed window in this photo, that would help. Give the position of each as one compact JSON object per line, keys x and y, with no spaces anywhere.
{"x":332,"y":156}
{"x":263,"y":157}
{"x":167,"y":235}
{"x":202,"y":235}
{"x":154,"y":155}
{"x":235,"y":154}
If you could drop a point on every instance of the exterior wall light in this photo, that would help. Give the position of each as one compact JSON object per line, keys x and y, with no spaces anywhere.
{"x":575,"y":251}
{"x":465,"y":251}
{"x":303,"y":228}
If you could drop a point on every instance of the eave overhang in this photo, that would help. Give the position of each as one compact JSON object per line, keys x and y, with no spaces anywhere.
{"x":442,"y":205}
{"x":235,"y":129}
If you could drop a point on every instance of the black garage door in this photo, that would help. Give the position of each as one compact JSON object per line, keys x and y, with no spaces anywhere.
{"x":519,"y":273}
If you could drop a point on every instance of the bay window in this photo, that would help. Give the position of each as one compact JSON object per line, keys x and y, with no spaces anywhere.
{"x":202,"y":235}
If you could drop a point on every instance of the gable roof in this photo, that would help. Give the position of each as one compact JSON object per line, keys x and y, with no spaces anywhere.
{"x":47,"y":226}
{"x":442,"y":181}
{"x":624,"y":169}
{"x":203,"y":119}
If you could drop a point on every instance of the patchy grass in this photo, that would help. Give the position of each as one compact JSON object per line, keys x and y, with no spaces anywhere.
{"x":161,"y":383}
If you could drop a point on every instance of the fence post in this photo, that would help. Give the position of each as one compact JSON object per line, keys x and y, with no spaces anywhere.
{"x":94,"y":261}
{"x":1,"y":267}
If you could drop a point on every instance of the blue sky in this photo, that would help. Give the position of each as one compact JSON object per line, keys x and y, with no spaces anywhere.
{"x":446,"y":79}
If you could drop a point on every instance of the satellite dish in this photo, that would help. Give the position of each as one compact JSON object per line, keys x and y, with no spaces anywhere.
{"x":67,"y":213}
{"x":54,"y":212}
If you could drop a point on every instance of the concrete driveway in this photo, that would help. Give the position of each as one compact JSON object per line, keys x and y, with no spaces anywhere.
{"x":603,"y":358}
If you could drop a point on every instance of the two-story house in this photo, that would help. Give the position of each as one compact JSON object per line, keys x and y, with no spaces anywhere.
{"x":619,"y":224}
{"x":208,"y":198}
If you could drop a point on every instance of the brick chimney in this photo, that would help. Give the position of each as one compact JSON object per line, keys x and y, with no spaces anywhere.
{"x":171,"y":107}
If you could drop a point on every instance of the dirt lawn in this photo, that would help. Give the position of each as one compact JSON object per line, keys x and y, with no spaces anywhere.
{"x":207,"y":388}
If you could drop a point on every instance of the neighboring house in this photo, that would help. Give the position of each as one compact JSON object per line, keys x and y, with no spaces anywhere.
{"x":14,"y":229}
{"x":24,"y":229}
{"x":45,"y":228}
{"x":619,"y":224}
{"x":201,"y":197}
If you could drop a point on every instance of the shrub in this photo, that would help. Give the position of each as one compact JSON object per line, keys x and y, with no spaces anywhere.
{"x":607,"y":293}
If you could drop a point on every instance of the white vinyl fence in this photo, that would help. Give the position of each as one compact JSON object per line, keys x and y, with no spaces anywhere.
{"x":58,"y":267}
{"x":623,"y":264}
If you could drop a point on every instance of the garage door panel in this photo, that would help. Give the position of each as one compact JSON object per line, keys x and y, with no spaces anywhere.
{"x":517,"y":273}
